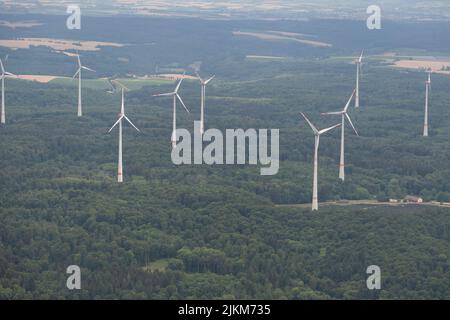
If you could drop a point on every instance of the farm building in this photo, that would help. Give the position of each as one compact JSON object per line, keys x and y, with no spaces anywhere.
{"x":412,"y":199}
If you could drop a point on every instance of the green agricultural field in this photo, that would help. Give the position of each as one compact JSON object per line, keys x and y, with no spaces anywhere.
{"x":102,"y":84}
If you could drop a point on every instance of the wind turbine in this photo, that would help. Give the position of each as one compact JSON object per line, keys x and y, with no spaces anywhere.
{"x":121,"y":116}
{"x":358,"y":75}
{"x":204,"y":83}
{"x":112,"y":87}
{"x":3,"y":76}
{"x":175,"y":96}
{"x":344,"y":115}
{"x":80,"y":67}
{"x":427,"y":94}
{"x":317,"y":134}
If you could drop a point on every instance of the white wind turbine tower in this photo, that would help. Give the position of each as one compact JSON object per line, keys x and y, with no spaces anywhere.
{"x":80,"y":68}
{"x":317,"y":134}
{"x":427,"y":96}
{"x":203,"y":83}
{"x":122,"y":116}
{"x":358,"y":75}
{"x":3,"y":76}
{"x":175,"y":96}
{"x":344,"y":115}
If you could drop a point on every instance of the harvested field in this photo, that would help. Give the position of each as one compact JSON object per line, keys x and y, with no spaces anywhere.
{"x":168,"y":76}
{"x":435,"y":65}
{"x":19,"y":24}
{"x":57,"y":44}
{"x":37,"y":78}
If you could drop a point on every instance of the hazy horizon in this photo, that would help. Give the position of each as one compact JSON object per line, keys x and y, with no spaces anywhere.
{"x":275,"y":9}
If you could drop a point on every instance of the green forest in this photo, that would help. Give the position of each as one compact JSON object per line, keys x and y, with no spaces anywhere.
{"x":224,"y":232}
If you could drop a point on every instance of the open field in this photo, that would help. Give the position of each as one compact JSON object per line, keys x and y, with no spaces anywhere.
{"x":69,"y":54}
{"x":102,"y":84}
{"x":415,"y":60}
{"x":57,"y":44}
{"x":240,"y":99}
{"x":291,"y":34}
{"x":19,"y":24}
{"x":255,"y":57}
{"x":168,"y":76}
{"x":37,"y":78}
{"x":96,"y":84}
{"x":435,"y":65}
{"x":272,"y":36}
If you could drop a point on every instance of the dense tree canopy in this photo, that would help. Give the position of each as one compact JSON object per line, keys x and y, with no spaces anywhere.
{"x":211,"y":232}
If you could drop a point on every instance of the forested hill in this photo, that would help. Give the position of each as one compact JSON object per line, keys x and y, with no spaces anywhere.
{"x":203,"y":231}
{"x":214,"y":232}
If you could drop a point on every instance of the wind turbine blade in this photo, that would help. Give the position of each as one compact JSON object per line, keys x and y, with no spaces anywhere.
{"x":361,"y":57}
{"x":349,"y":101}
{"x":331,"y":113}
{"x":121,"y":85}
{"x":199,"y":78}
{"x":76,"y":73}
{"x":1,"y":64}
{"x":115,"y":124}
{"x":210,"y":79}
{"x":351,"y":123}
{"x":113,"y":88}
{"x":89,"y":69}
{"x":181,"y":100}
{"x":126,"y":118}
{"x":328,"y":129}
{"x":178,"y":85}
{"x":79,"y":61}
{"x":10,"y":74}
{"x":164,"y":94}
{"x":310,"y":124}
